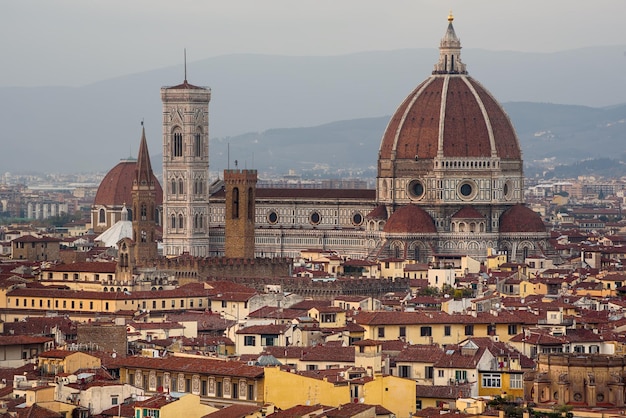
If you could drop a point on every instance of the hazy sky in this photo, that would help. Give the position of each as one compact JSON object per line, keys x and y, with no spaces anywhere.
{"x":76,"y":42}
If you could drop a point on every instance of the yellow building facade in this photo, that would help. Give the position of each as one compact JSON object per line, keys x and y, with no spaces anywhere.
{"x":394,"y":393}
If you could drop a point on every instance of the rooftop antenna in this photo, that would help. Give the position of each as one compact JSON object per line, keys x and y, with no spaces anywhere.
{"x":185,"y":60}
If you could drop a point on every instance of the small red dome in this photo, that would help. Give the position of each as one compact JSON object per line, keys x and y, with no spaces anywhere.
{"x":116,"y":187}
{"x":410,"y":219}
{"x":519,"y":218}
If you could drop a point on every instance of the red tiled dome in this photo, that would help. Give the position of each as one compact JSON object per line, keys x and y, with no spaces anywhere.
{"x":519,"y":218}
{"x":116,"y":187}
{"x":465,"y":119}
{"x":410,"y":219}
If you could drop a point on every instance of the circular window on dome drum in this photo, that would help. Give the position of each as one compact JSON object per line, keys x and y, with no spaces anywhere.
{"x":315,"y":218}
{"x":272,"y":217}
{"x":467,"y":190}
{"x":416,"y":189}
{"x":507,"y":189}
{"x":357,"y":219}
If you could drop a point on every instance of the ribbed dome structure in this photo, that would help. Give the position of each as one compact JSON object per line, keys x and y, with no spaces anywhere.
{"x":520,"y":218}
{"x":116,"y":187}
{"x":410,"y":219}
{"x":449,"y":117}
{"x":450,"y":142}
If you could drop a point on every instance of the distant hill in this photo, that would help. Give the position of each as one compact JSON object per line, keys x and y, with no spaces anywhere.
{"x":60,"y":129}
{"x":549,"y":135}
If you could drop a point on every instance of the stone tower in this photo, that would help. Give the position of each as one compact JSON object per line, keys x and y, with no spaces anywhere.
{"x":240,"y":187}
{"x":144,"y":207}
{"x":185,"y":169}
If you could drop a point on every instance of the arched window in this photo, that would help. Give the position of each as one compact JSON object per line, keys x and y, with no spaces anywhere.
{"x":144,"y":236}
{"x":181,"y":189}
{"x":173,"y":188}
{"x":181,"y":222}
{"x":101,"y":216}
{"x":250,"y":204}
{"x":195,"y":221}
{"x":177,"y":144}
{"x":144,"y":212}
{"x":173,"y":223}
{"x":235,"y":203}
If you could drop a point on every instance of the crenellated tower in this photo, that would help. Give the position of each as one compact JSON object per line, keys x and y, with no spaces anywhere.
{"x":240,"y":187}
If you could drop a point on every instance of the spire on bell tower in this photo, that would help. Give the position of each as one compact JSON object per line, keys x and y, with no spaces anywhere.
{"x":450,"y":52}
{"x":143,"y":173}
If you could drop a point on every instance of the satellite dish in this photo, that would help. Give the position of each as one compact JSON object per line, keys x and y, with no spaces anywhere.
{"x":497,"y":306}
{"x":114,"y":355}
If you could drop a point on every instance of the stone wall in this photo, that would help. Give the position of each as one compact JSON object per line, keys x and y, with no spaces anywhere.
{"x":108,"y":337}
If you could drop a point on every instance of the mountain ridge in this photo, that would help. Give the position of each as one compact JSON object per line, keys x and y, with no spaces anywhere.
{"x":77,"y":129}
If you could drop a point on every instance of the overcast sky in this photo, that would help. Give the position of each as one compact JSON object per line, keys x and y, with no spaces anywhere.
{"x":76,"y":42}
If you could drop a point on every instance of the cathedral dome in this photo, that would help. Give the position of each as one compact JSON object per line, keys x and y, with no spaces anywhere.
{"x":449,"y":117}
{"x":410,"y":219}
{"x":520,"y":218}
{"x":450,"y":142}
{"x":116,"y":187}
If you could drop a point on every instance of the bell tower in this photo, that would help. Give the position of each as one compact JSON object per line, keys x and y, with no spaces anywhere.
{"x":185,"y":169}
{"x":240,"y":187}
{"x":144,"y":206}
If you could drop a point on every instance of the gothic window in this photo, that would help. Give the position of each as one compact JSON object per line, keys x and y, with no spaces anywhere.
{"x":235,"y":203}
{"x":101,"y":216}
{"x":181,"y":223}
{"x":177,"y":144}
{"x":173,"y":188}
{"x":181,"y":190}
{"x":144,"y":236}
{"x":144,"y":212}
{"x":173,"y":224}
{"x":198,"y":143}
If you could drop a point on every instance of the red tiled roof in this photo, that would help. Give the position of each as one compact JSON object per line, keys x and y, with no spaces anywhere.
{"x":6,"y":340}
{"x":196,"y":365}
{"x":84,"y":267}
{"x":379,"y":212}
{"x":265,"y":329}
{"x":234,"y":411}
{"x":32,"y":238}
{"x":313,"y":194}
